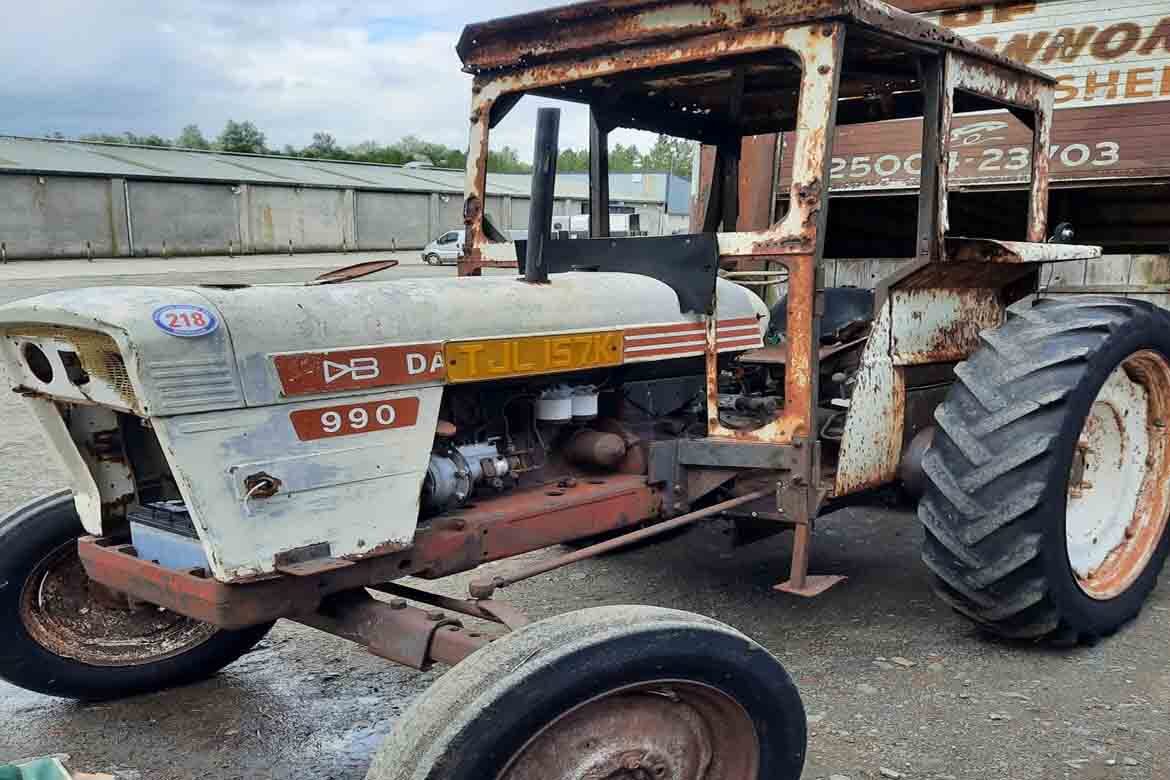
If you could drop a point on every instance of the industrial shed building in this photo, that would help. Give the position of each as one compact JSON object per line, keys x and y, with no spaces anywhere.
{"x":75,"y":199}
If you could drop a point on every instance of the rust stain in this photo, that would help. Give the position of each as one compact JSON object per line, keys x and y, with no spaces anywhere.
{"x":946,"y":323}
{"x":512,"y":524}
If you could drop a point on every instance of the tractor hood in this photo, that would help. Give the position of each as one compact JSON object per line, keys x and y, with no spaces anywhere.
{"x":189,"y":349}
{"x":127,"y":358}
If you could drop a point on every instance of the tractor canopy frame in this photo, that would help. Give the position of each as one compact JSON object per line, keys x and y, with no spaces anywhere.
{"x":718,"y":72}
{"x":726,"y":71}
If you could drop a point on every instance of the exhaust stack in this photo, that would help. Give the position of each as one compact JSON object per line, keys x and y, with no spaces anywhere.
{"x":544,"y":175}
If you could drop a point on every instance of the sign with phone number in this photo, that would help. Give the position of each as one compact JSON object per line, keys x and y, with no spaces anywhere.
{"x":988,"y":160}
{"x":1105,"y":142}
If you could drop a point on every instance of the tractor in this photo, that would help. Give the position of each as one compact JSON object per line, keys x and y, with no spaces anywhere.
{"x":243,"y":454}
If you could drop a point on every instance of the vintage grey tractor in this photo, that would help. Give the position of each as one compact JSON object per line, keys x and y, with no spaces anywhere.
{"x":242,"y":454}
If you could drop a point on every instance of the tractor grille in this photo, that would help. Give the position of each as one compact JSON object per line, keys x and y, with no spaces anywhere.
{"x":98,"y":354}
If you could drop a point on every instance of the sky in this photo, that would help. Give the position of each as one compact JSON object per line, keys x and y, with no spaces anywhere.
{"x":375,"y":70}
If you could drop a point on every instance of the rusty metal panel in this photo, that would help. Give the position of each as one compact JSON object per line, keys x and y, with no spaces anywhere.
{"x":757,"y":182}
{"x":516,"y":523}
{"x":800,"y":230}
{"x":1099,"y":53}
{"x":1112,"y":65}
{"x":987,"y":250}
{"x":940,"y":325}
{"x":1088,"y":144}
{"x":701,"y":186}
{"x":872,"y":441}
{"x":567,"y":31}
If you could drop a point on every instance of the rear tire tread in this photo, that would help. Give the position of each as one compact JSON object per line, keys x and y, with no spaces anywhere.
{"x":988,"y":470}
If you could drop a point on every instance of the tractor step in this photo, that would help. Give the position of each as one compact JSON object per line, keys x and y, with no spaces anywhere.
{"x":813,"y":585}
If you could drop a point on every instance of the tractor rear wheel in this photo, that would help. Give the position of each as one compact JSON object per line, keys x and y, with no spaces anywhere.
{"x":1048,"y":481}
{"x":65,"y":636}
{"x":623,"y":693}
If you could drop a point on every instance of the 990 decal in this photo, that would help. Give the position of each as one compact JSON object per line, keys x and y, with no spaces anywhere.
{"x":351,"y":419}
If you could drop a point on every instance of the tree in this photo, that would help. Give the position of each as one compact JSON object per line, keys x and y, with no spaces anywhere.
{"x":127,"y":138}
{"x":507,"y":160}
{"x":669,"y":154}
{"x":573,"y":161}
{"x":374,"y":152}
{"x":624,"y":159}
{"x":105,"y":138}
{"x":241,"y":137}
{"x":325,"y":146}
{"x":191,"y":137}
{"x":154,"y":139}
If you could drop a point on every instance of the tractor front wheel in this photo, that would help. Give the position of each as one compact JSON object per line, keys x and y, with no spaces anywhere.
{"x":623,"y":693}
{"x":66,"y":636}
{"x":1048,"y":482}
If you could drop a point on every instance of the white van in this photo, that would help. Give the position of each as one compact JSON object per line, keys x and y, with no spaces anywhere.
{"x":445,"y":249}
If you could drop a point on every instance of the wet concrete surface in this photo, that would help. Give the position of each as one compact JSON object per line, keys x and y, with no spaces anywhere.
{"x":891,"y":678}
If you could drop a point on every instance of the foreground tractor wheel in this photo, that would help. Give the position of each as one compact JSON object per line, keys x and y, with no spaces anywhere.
{"x":628,"y":693}
{"x":66,"y":636}
{"x":1048,"y":480}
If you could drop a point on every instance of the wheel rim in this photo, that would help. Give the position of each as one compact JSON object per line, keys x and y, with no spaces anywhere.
{"x":75,"y":618}
{"x":1118,"y":483}
{"x":664,"y":730}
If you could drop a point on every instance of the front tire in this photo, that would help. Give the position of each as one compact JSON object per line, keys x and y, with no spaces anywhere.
{"x":65,"y":636}
{"x":605,"y":692}
{"x":432,"y":259}
{"x":1047,"y":483}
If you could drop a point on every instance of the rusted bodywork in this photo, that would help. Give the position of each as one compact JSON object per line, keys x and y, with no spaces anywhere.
{"x":491,"y":433}
{"x":717,"y":73}
{"x":501,"y":528}
{"x":723,"y":72}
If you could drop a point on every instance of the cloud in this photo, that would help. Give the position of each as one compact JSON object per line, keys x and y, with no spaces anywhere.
{"x":373,"y":71}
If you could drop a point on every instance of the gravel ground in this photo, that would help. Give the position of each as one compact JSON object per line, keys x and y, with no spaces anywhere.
{"x":891,"y":680}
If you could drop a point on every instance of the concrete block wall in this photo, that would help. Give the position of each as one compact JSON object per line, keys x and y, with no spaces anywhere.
{"x":62,"y":216}
{"x":183,"y":218}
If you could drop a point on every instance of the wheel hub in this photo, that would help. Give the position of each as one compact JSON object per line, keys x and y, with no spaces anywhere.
{"x":658,"y":731}
{"x":1117,"y":502}
{"x":75,"y":618}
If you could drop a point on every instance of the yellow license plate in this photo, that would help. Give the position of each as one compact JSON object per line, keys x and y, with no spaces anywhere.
{"x":473,"y":361}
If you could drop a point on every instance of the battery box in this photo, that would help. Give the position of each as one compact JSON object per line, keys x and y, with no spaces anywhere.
{"x":162,"y":532}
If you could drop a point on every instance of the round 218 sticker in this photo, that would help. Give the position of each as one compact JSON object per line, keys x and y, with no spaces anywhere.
{"x":185,"y":320}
